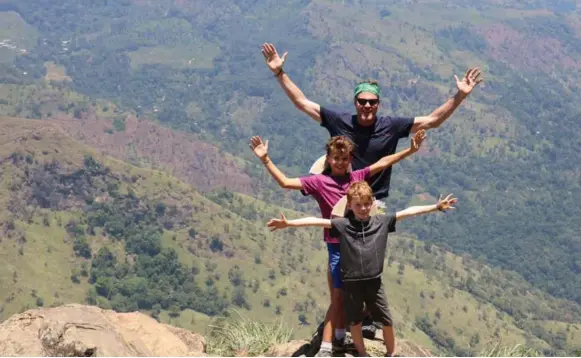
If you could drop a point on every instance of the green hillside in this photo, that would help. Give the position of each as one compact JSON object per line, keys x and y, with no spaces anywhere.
{"x":82,"y":227}
{"x":197,"y":67}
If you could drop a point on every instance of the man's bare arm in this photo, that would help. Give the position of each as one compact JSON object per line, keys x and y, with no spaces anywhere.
{"x":442,"y":113}
{"x":297,"y":97}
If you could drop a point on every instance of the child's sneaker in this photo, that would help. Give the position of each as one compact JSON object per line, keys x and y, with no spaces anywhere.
{"x":340,"y":345}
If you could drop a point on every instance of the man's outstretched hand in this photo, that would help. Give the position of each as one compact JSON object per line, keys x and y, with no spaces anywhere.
{"x":273,"y":60}
{"x":470,"y":80}
{"x":259,"y":148}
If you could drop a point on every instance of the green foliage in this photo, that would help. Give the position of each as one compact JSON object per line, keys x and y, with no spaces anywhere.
{"x":247,"y":337}
{"x":81,"y":247}
{"x":497,"y":350}
{"x":39,"y":302}
{"x":437,"y":335}
{"x":119,"y":124}
{"x":504,"y":155}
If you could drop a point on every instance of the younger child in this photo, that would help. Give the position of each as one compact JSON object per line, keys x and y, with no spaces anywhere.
{"x":328,"y":188}
{"x":363,"y":242}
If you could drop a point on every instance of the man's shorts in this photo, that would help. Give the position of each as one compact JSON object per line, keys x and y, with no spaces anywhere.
{"x":335,"y":264}
{"x":370,"y":293}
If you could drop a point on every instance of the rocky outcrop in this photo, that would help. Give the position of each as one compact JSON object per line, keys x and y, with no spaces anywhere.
{"x":375,"y":348}
{"x":78,"y":330}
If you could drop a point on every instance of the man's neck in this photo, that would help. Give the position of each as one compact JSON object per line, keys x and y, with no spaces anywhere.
{"x":366,"y":124}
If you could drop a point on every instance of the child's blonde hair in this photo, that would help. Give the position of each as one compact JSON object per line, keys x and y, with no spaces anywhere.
{"x":360,"y":190}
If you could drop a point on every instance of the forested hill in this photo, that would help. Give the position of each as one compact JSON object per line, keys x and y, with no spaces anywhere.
{"x":510,"y":153}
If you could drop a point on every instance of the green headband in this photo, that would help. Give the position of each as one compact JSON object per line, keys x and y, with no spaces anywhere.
{"x":367,"y":87}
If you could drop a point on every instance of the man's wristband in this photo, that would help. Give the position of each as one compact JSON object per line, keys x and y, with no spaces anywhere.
{"x":279,"y":72}
{"x":265,"y":160}
{"x":440,"y":208}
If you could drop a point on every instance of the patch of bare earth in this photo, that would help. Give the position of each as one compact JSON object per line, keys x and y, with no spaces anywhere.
{"x":55,"y":72}
{"x":525,"y":51}
{"x":145,"y":143}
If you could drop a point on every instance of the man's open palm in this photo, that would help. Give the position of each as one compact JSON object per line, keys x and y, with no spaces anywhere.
{"x":273,"y":60}
{"x":470,"y":80}
{"x":259,"y":148}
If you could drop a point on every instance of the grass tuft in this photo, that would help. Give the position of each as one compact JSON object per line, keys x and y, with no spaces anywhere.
{"x":497,"y":350}
{"x":244,"y":337}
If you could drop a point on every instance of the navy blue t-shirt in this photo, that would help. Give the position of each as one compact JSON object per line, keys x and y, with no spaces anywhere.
{"x":371,"y":143}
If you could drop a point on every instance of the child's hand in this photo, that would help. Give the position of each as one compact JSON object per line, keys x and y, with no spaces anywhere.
{"x":416,"y":141}
{"x":275,"y":224}
{"x":260,"y":149}
{"x":445,"y":204}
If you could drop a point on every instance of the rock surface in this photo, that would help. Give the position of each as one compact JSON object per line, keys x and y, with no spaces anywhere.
{"x":78,"y":330}
{"x":375,"y":348}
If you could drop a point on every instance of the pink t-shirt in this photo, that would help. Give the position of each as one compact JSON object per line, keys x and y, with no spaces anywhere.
{"x":328,"y":190}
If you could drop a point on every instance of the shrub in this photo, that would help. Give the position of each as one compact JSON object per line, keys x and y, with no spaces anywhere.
{"x":244,"y":337}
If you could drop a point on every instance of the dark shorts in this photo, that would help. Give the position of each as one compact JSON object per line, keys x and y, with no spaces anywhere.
{"x":335,"y":264}
{"x":370,"y":293}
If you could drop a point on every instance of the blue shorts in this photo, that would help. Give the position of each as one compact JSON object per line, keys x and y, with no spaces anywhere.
{"x":335,"y":264}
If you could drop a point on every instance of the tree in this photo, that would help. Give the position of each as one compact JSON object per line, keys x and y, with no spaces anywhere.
{"x":174,"y":311}
{"x":236,"y":276}
{"x":216,"y":244}
{"x":81,"y":247}
{"x":474,"y":340}
{"x":239,"y":297}
{"x":92,"y":296}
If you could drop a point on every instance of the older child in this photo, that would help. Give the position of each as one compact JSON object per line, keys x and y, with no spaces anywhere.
{"x":363,"y":242}
{"x":327,"y":189}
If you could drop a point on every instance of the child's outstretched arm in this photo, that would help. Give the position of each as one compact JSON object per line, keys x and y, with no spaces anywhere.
{"x":390,"y":160}
{"x":442,"y":205}
{"x":283,"y":223}
{"x":260,"y":149}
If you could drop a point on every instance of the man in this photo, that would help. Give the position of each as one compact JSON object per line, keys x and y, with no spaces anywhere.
{"x":374,"y":136}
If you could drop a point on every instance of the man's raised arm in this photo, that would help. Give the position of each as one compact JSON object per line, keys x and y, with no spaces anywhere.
{"x":440,"y":114}
{"x":276,"y":63}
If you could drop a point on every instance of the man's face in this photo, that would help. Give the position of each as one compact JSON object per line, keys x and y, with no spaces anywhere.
{"x":366,"y":105}
{"x":361,"y":207}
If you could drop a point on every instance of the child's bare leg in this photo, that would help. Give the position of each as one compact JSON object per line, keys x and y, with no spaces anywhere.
{"x":380,"y":310}
{"x":328,"y":327}
{"x":389,"y":340}
{"x":357,"y":336}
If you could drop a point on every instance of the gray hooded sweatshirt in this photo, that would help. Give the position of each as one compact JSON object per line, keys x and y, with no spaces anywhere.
{"x":363,"y":245}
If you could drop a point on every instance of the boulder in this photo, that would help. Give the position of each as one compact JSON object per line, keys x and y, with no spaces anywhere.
{"x":89,"y":331}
